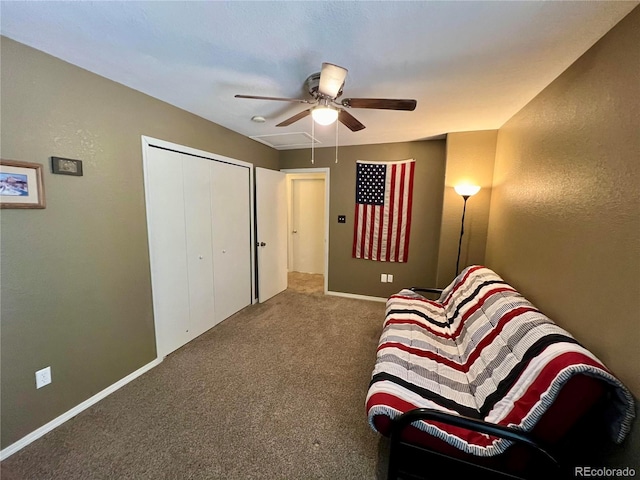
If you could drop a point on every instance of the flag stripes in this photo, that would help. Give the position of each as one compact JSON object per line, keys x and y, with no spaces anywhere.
{"x":384,"y":192}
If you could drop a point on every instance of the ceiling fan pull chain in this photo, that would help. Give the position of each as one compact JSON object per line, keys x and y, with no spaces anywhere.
{"x":337,"y":141}
{"x":313,"y":139}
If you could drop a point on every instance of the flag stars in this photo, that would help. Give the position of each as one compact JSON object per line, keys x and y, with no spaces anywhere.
{"x":370,"y":183}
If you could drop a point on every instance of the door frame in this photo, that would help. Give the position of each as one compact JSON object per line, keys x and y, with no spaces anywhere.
{"x":300,"y":173}
{"x":293,"y":180}
{"x":147,"y":144}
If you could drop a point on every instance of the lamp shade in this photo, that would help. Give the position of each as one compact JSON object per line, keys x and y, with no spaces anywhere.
{"x":324,"y":115}
{"x":466,"y":190}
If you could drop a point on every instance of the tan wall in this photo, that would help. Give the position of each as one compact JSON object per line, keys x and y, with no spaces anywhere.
{"x":565,"y":211}
{"x":350,"y":275}
{"x":76,"y":291}
{"x":470,"y":159}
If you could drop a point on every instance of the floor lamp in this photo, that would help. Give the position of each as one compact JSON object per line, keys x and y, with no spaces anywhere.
{"x":465,"y":191}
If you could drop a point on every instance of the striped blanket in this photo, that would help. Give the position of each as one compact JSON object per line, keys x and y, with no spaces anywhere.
{"x":483,"y":351}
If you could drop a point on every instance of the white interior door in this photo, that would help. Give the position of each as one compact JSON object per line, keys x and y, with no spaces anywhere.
{"x":201,"y":245}
{"x":198,"y":221}
{"x":307,"y":236}
{"x":271,"y":235}
{"x":166,"y":222}
{"x":231,"y":213}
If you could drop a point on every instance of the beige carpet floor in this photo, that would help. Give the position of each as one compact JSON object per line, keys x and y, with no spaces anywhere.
{"x":274,"y":392}
{"x":311,"y":283}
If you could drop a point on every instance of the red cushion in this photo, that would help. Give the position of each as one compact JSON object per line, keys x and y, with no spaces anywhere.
{"x":575,"y":399}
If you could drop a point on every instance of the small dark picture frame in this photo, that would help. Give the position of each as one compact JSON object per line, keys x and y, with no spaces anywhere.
{"x":66,"y":166}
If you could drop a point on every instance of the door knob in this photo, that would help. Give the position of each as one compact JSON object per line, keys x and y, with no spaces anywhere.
{"x":295,"y":231}
{"x":262,"y":244}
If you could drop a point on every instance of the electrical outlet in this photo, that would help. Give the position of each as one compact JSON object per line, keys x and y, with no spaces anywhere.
{"x":383,"y":277}
{"x":390,"y":278}
{"x":43,"y":377}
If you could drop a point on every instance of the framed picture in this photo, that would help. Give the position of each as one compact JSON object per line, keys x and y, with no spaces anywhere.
{"x":21,"y":185}
{"x":66,"y":166}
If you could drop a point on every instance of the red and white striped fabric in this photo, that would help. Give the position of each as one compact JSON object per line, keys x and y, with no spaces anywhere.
{"x":483,"y":351}
{"x":384,"y":192}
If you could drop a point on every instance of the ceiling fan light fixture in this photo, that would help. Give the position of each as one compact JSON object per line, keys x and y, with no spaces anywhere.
{"x":323,"y":90}
{"x":324,"y":115}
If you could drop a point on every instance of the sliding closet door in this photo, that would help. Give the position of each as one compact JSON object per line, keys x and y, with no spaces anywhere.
{"x":231,"y":213}
{"x":199,"y":220}
{"x":198,"y":226}
{"x":167,"y":249}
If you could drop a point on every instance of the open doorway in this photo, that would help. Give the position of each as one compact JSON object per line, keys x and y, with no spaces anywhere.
{"x":308,"y":221}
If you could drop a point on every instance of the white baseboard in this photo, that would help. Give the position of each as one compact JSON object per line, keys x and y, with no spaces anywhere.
{"x":358,"y":297}
{"x":46,"y":428}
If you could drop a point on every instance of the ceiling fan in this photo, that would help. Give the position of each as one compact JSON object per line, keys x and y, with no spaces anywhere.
{"x":324,"y":88}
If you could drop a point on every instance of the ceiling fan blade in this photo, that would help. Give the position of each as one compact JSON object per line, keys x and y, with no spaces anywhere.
{"x":280,"y":99}
{"x":295,"y":118}
{"x":351,"y":122}
{"x":331,"y":79}
{"x":380,"y":103}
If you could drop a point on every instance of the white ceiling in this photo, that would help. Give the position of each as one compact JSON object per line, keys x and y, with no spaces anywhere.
{"x":470,"y":65}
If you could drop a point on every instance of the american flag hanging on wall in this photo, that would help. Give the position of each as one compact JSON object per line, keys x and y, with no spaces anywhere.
{"x":383,"y":210}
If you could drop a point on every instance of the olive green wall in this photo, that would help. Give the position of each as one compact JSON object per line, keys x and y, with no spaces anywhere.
{"x":76,"y":295}
{"x":76,"y":291}
{"x":350,"y":275}
{"x":470,"y":159}
{"x":564,"y":226}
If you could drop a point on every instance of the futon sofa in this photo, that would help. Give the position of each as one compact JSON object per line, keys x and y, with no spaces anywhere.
{"x":483,"y":377}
